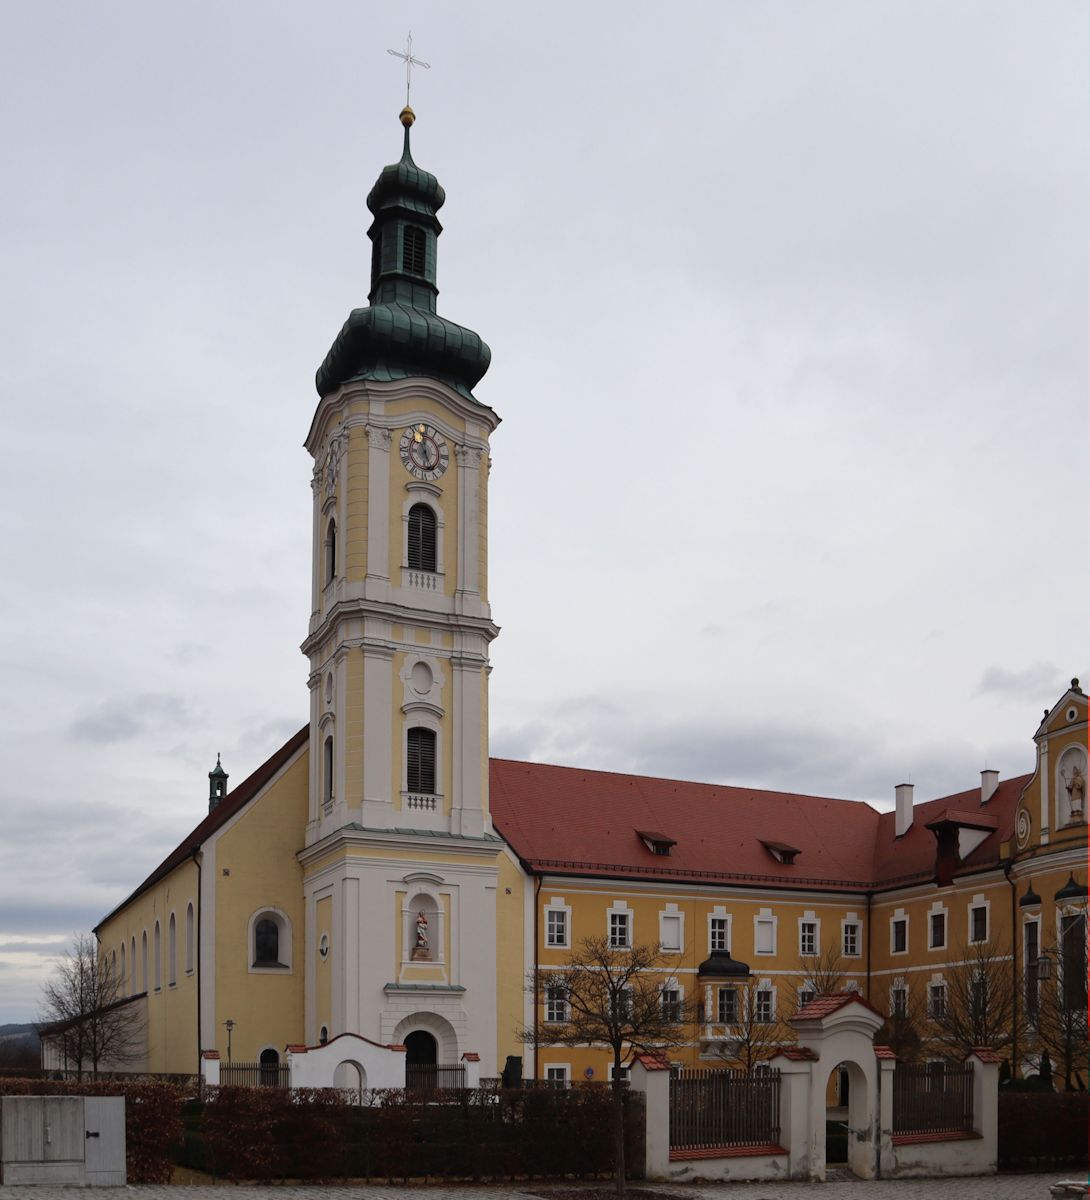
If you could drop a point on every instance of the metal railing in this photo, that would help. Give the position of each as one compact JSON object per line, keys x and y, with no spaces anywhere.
{"x":236,"y":1074}
{"x":716,"y":1109}
{"x":429,"y":1077}
{"x":933,"y":1098}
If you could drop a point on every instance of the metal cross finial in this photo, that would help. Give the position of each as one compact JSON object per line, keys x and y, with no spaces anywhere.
{"x":410,"y":62}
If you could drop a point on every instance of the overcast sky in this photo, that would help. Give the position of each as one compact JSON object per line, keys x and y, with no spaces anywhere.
{"x":787,"y":305}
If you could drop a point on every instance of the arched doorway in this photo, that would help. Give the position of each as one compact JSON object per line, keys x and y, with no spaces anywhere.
{"x":421,"y":1061}
{"x":350,"y":1078}
{"x":270,"y":1068}
{"x":849,"y":1118}
{"x":837,"y":1093}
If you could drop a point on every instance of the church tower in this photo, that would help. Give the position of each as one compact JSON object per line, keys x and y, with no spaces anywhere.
{"x":400,"y":859}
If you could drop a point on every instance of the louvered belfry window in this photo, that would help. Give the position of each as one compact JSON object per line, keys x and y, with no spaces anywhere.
{"x":420,"y":775}
{"x":422,"y":539}
{"x":412,"y":250}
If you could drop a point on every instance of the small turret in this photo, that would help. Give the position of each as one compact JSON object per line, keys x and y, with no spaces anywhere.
{"x":217,"y":785}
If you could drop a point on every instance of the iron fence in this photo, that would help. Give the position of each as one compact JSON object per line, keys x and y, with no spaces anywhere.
{"x":933,"y":1098}
{"x":432,"y":1077}
{"x":715,"y":1109}
{"x":254,"y":1074}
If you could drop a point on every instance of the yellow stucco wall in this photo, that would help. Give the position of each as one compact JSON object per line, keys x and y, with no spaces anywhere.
{"x":355,"y":545}
{"x":256,"y":869}
{"x":510,"y":958}
{"x":172,"y":1007}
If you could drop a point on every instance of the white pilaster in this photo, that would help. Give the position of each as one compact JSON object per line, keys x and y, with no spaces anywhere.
{"x":378,"y":511}
{"x":378,"y":685}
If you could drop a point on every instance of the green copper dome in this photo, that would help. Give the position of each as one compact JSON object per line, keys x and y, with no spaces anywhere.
{"x":400,"y":334}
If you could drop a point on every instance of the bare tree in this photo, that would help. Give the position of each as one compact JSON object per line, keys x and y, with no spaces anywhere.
{"x":755,"y":1023}
{"x":626,"y":998}
{"x":906,"y":1030}
{"x":1057,"y":1014}
{"x":83,"y":1011}
{"x":977,"y":1006}
{"x":822,"y":974}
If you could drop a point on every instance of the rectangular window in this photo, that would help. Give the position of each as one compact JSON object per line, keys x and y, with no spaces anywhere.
{"x":556,"y":927}
{"x":898,"y":1001}
{"x":556,"y":1076}
{"x":670,"y":931}
{"x":556,"y":1005}
{"x":1033,"y":952}
{"x":936,"y":1000}
{"x":718,"y":934}
{"x":900,"y":936}
{"x":805,"y":996}
{"x":808,"y":937}
{"x":851,"y":940}
{"x":978,"y":923}
{"x":1073,"y":949}
{"x":619,"y":930}
{"x":671,"y":1005}
{"x":621,"y":1073}
{"x":766,"y":936}
{"x":727,"y":1006}
{"x":938,"y":931}
{"x":765,"y":1006}
{"x":979,"y":998}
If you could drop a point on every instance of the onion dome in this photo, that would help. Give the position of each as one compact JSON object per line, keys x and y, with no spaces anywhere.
{"x":1030,"y":899}
{"x":400,"y":333}
{"x":720,"y":965}
{"x":1072,"y":891}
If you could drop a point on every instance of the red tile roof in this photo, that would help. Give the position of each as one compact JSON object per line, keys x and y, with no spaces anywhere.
{"x":568,"y":821}
{"x":822,"y":1006}
{"x":235,"y":800}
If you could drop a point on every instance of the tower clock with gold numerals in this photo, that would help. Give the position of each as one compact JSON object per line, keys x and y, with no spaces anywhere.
{"x":424,"y":451}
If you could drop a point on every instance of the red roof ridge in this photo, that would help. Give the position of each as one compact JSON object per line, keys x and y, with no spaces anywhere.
{"x":235,"y":800}
{"x":831,"y":1002}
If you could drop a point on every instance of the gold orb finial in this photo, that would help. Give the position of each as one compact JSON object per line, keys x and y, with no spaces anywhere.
{"x":407,"y":116}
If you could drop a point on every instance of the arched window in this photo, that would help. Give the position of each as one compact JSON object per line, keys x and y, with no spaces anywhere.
{"x":172,"y":951}
{"x":189,"y":938}
{"x":157,"y":951}
{"x":144,"y":961}
{"x":327,"y":769}
{"x":331,"y":552}
{"x":412,"y":250}
{"x":420,"y":760}
{"x":422,"y":538}
{"x":122,"y":979}
{"x":132,"y":965}
{"x":266,"y":943}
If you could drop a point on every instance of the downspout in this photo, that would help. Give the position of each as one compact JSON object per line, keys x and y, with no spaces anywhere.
{"x":1007,"y":865}
{"x":870,"y":896}
{"x":537,"y":967}
{"x":200,"y":1043}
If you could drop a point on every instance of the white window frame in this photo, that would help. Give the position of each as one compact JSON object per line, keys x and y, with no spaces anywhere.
{"x":558,"y":1074}
{"x":978,"y":901}
{"x":808,"y":918}
{"x":719,"y":913}
{"x":556,"y":1005}
{"x":720,"y":989}
{"x":422,"y":716}
{"x":673,"y":985}
{"x":672,"y":915}
{"x":172,"y":951}
{"x":1026,"y":923}
{"x":935,"y":982}
{"x":626,"y":1072}
{"x":938,"y":909}
{"x":899,"y":915}
{"x":283,"y":942}
{"x":158,"y":954}
{"x":806,"y":989}
{"x":190,"y":937}
{"x":427,"y":494}
{"x":620,"y":908}
{"x":765,"y":916}
{"x":764,"y":988}
{"x":851,"y":922}
{"x":557,"y":907}
{"x":898,"y":985}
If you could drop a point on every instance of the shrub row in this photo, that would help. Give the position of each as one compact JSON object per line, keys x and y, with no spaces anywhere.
{"x":268,"y":1133}
{"x":153,"y":1119}
{"x":1043,"y":1129}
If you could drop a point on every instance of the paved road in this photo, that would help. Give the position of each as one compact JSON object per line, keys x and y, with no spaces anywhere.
{"x":995,"y":1187}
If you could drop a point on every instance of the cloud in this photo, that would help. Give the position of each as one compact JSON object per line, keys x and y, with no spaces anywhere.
{"x":124,"y":719}
{"x":1041,"y":679}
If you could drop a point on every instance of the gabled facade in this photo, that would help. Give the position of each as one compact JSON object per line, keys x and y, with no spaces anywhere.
{"x":381,"y":875}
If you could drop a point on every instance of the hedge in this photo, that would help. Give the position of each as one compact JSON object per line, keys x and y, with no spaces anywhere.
{"x":153,"y":1119}
{"x":270,"y":1133}
{"x":1042,"y":1130}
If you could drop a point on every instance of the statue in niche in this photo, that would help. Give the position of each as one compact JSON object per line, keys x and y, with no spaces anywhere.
{"x":420,"y":949}
{"x":1075,"y":783}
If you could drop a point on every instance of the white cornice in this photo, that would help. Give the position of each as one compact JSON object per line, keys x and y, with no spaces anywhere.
{"x":398,"y":614}
{"x":400,"y":840}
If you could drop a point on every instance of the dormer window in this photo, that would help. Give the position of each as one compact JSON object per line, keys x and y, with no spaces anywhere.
{"x":412,"y":250}
{"x":657,"y":843}
{"x":781,"y":852}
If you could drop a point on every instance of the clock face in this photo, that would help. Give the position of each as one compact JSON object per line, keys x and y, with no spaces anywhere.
{"x":424,"y":451}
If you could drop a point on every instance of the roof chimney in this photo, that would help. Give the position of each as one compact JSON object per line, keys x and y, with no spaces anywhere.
{"x":989,"y":781}
{"x":903,"y":792}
